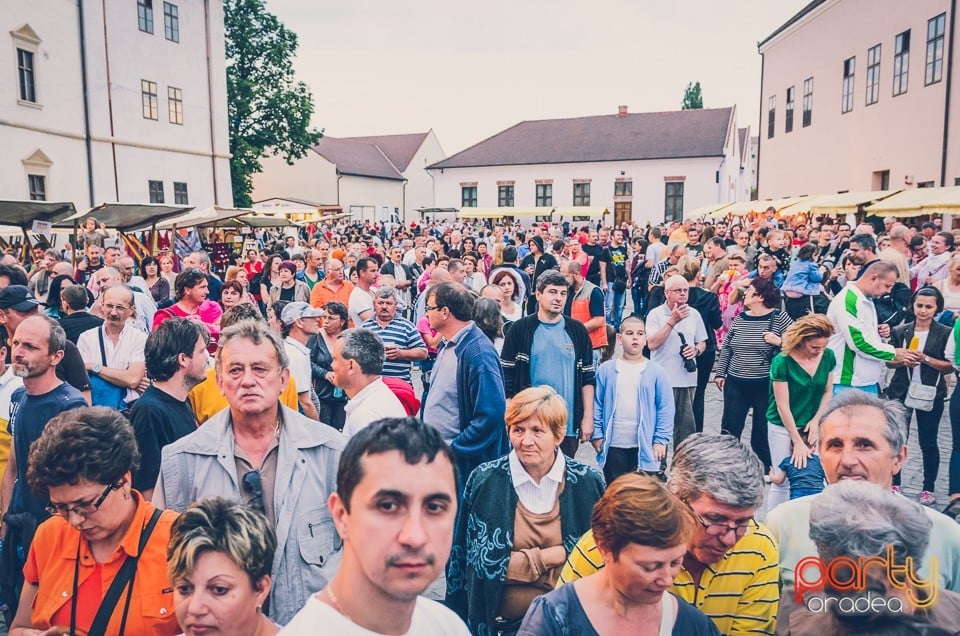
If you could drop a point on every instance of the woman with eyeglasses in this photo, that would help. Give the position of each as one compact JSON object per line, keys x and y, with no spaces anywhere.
{"x":332,"y":398}
{"x":219,"y":560}
{"x":98,"y":565}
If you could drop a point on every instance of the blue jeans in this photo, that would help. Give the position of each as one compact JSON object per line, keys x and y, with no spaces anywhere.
{"x":614,"y":302}
{"x":872,"y":389}
{"x":954,"y":479}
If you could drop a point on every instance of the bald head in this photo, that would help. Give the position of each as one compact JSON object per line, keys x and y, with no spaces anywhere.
{"x":438,"y":276}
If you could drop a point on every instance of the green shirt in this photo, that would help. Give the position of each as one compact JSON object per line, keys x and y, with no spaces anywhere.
{"x":806,"y":392}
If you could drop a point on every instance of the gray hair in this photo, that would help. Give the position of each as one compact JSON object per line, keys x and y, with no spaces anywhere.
{"x":882,"y":519}
{"x":719,"y":466}
{"x":256,"y":332}
{"x":384,"y":291}
{"x":365,"y":348}
{"x":203,"y":258}
{"x":852,"y":401}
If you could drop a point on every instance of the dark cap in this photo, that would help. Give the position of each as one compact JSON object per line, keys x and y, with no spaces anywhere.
{"x":18,"y":298}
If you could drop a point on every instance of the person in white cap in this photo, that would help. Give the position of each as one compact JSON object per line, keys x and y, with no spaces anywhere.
{"x":300,"y":321}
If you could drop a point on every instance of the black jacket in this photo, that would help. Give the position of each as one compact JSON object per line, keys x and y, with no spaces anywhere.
{"x":935,"y":347}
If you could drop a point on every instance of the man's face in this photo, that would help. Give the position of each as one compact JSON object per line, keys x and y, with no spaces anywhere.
{"x":309,"y":324}
{"x":572,"y":279}
{"x":369,"y":275}
{"x":711,"y":544}
{"x":291,"y":241}
{"x":853,"y":446}
{"x":742,"y":239}
{"x":196,"y":364}
{"x":553,"y":299}
{"x":857,"y":254}
{"x":250,"y":377}
{"x":604,"y":236}
{"x":334,"y":271}
{"x":399,"y":528}
{"x":677,"y":254}
{"x":721,"y":229}
{"x":592,"y":238}
{"x":766,"y":269}
{"x":324,"y":250}
{"x":880,"y":286}
{"x":110,"y":256}
{"x":396,"y":254}
{"x":125,"y":266}
{"x":494,"y":293}
{"x":117,"y":306}
{"x":937,"y":245}
{"x":693,"y":236}
{"x":199,"y":292}
{"x":191,"y":261}
{"x":632,"y":337}
{"x":386,"y":308}
{"x":93,"y":254}
{"x":843,"y":231}
{"x":801,"y":232}
{"x":617,"y":238}
{"x":677,"y":293}
{"x":29,"y":354}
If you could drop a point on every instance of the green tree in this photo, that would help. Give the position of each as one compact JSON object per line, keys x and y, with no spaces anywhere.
{"x":269,"y":111}
{"x":692,"y":98}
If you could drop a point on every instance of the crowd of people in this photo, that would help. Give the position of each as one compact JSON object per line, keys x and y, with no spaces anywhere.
{"x":486,"y":428}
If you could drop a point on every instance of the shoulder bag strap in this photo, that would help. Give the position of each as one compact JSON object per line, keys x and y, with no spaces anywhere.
{"x":126,"y":575}
{"x":103,"y":347}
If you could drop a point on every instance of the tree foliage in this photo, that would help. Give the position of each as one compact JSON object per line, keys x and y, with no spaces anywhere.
{"x":692,"y":98}
{"x":269,"y":111}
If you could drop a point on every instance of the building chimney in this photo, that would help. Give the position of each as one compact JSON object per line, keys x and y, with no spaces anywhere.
{"x":622,"y":110}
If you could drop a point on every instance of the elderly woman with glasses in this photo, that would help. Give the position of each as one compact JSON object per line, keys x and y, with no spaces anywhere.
{"x":219,"y":561}
{"x":519,"y":516}
{"x":98,"y":565}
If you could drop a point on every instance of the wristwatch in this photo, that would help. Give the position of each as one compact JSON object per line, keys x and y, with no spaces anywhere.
{"x":926,"y":359}
{"x":96,"y":368}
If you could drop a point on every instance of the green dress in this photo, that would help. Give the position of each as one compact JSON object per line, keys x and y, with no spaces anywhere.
{"x":806,"y":392}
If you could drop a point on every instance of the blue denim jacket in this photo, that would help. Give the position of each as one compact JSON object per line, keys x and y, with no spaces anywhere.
{"x":804,"y":277}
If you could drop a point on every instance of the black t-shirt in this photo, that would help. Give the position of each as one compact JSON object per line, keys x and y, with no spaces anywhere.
{"x":618,"y":261}
{"x":158,"y":419}
{"x":598,"y":254}
{"x":76,"y":323}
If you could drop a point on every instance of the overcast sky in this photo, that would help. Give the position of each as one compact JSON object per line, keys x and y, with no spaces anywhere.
{"x":471,"y":69}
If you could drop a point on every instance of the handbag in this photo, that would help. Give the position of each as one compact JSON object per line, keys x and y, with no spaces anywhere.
{"x":103,"y":393}
{"x":921,"y":397}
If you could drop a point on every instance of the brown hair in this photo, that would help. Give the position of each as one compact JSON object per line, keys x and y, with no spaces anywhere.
{"x":639,"y":509}
{"x":810,"y":326}
{"x":543,"y":403}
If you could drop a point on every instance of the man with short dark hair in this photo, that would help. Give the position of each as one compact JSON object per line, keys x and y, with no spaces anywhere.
{"x":357,"y":367}
{"x":76,"y":319}
{"x":176,"y":360}
{"x":394,"y":476}
{"x":466,"y":399}
{"x":360,"y":304}
{"x":552,"y":349}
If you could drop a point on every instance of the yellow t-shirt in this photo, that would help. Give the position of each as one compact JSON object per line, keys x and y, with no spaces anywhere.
{"x":207,"y":400}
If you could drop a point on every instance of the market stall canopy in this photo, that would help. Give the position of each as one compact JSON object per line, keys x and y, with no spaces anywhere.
{"x":588,"y":211}
{"x":207,"y":217}
{"x":839,"y":204}
{"x":742,"y":208}
{"x":23,"y":213}
{"x":710,"y":211}
{"x":127,"y":216}
{"x":919,"y":201}
{"x":260,"y":220}
{"x":512,"y":211}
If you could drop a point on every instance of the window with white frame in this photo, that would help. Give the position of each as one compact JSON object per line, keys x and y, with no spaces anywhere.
{"x":849,"y":71}
{"x":155,"y":189}
{"x":544,"y":195}
{"x":673,"y":201}
{"x":148,"y":98}
{"x":175,"y":105}
{"x":171,"y":22}
{"x":901,"y":63}
{"x":468,"y":196}
{"x":145,"y":15}
{"x":807,"y":102}
{"x":505,"y":196}
{"x":771,"y":116}
{"x":788,"y":115}
{"x":37,"y":183}
{"x":180,"y":193}
{"x":581,"y":194}
{"x":934,"y":67}
{"x":873,"y":75}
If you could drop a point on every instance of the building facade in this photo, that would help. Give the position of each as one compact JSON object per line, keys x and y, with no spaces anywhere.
{"x":153,"y":126}
{"x":643,"y":167}
{"x":361,"y":175}
{"x":860,"y":95}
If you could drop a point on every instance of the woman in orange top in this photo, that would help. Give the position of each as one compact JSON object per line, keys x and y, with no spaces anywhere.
{"x":83,"y":462}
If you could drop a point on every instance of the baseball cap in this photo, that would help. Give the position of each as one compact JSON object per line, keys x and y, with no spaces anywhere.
{"x":294,"y":311}
{"x":18,"y":298}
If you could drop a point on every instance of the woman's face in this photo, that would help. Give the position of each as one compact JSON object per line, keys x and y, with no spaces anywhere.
{"x":230,"y":297}
{"x":508,"y":286}
{"x":285,"y":275}
{"x":242,"y":277}
{"x":955,"y":272}
{"x":332,"y":323}
{"x":275,"y":265}
{"x":534,"y":443}
{"x":924,"y":307}
{"x":217,"y":597}
{"x":851,"y":269}
{"x":738,"y":266}
{"x":813,"y":347}
{"x":106,"y":522}
{"x":883,"y":243}
{"x":642,"y":573}
{"x":751,"y":299}
{"x":166,"y":265}
{"x":151,"y":269}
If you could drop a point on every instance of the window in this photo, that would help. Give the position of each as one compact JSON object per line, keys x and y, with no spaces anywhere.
{"x":156,"y":191}
{"x":623,"y":189}
{"x":179,"y":193}
{"x":581,"y":194}
{"x":145,"y":15}
{"x":901,"y":63}
{"x":673,"y":202}
{"x":505,"y":196}
{"x":807,"y":102}
{"x":175,"y":105}
{"x":849,"y":68}
{"x":873,"y":74}
{"x":38,"y":187}
{"x":925,"y":184}
{"x":171,"y":22}
{"x":934,"y":71}
{"x":544,"y":195}
{"x":468,"y":196}
{"x":771,"y":116}
{"x":788,"y":118}
{"x":148,"y":95}
{"x":881,"y":180}
{"x":27,"y":76}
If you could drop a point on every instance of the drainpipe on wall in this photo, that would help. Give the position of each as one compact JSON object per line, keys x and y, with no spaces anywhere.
{"x":759,"y":125}
{"x":946,"y":101}
{"x":106,"y":60}
{"x":86,"y":102}
{"x":213,"y":148}
{"x":404,"y":202}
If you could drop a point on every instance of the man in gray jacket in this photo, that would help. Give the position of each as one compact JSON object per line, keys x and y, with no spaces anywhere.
{"x":267,"y":456}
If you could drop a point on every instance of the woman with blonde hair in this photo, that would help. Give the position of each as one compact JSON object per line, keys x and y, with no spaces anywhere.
{"x":642,"y":531}
{"x":950,"y":288}
{"x":525,"y":509}
{"x":801,"y":385}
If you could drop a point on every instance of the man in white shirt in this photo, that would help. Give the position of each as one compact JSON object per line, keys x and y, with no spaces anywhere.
{"x":395,"y":507}
{"x":357,"y":364}
{"x":360,"y":305}
{"x":675,"y":335}
{"x":300,"y":321}
{"x":114,"y":352}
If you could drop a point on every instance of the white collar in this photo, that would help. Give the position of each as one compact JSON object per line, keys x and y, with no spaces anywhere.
{"x":520,"y":476}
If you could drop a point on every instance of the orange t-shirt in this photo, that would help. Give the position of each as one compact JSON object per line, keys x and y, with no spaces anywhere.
{"x":322,"y":294}
{"x":50,"y":565}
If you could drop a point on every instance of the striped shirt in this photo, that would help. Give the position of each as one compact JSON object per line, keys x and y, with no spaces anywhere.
{"x":656,"y":272}
{"x":402,"y":333}
{"x":746,"y":338}
{"x":740,"y":594}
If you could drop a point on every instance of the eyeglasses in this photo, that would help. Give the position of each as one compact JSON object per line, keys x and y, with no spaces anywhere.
{"x":429,"y":308}
{"x":720,"y":528}
{"x":253,"y":485}
{"x":83,"y":508}
{"x":116,"y":307}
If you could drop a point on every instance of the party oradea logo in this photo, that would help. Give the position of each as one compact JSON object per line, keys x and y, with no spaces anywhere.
{"x":850,"y":586}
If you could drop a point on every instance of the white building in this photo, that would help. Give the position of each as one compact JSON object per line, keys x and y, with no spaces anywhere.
{"x":642,"y":167}
{"x":153,"y":127}
{"x":860,"y":95}
{"x":359,"y":174}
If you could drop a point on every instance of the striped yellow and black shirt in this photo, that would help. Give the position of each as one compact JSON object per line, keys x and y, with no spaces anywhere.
{"x":740,"y":594}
